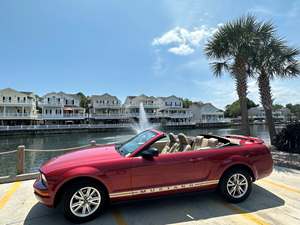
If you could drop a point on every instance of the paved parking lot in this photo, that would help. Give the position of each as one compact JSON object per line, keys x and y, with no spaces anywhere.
{"x":274,"y":200}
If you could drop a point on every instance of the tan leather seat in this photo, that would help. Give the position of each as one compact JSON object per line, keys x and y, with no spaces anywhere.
{"x":174,"y":148}
{"x":183,"y":143}
{"x":204,"y":143}
{"x":212,"y":142}
{"x":171,"y":145}
{"x":197,"y":143}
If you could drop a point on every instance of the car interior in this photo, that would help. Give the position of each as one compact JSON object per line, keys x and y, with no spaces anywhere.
{"x":182,"y":143}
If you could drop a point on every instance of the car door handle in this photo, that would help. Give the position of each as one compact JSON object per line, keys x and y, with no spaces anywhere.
{"x":195,"y":159}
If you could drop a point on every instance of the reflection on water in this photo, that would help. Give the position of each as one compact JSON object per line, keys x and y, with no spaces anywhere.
{"x":59,"y":141}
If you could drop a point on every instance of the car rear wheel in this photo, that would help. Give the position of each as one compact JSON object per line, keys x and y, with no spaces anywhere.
{"x":236,"y":185}
{"x":83,"y":202}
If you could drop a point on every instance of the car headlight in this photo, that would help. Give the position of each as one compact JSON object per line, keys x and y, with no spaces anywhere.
{"x":44,"y":180}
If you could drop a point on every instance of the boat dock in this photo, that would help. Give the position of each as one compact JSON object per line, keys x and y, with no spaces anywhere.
{"x":274,"y":200}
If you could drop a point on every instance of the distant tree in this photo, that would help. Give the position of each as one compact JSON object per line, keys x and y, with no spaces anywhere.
{"x":234,"y":110}
{"x":186,"y":103}
{"x":277,"y":106}
{"x":84,"y":101}
{"x":295,"y":109}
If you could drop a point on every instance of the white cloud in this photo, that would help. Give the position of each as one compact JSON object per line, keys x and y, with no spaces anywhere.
{"x":182,"y":49}
{"x":181,"y":41}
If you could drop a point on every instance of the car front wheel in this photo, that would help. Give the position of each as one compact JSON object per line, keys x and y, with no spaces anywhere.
{"x":83,"y":202}
{"x":236,"y":185}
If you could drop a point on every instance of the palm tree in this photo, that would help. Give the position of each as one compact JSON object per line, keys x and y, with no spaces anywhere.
{"x":230,"y":48}
{"x":272,"y":58}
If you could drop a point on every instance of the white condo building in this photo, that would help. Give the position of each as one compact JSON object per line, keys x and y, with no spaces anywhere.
{"x":171,"y":109}
{"x":206,"y":113}
{"x":57,"y":106}
{"x":105,"y":107}
{"x":17,"y":107}
{"x":132,"y":106}
{"x":280,"y":115}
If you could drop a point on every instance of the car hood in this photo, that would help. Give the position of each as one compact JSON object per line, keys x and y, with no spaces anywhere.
{"x":81,"y":157}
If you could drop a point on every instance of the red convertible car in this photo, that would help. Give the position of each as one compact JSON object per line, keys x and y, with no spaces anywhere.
{"x":151,"y":163}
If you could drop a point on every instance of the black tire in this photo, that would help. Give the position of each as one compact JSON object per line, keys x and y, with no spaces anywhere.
{"x":225,"y":190}
{"x":70,"y":192}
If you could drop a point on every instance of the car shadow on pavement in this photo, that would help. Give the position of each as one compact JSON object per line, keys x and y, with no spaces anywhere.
{"x":165,"y":210}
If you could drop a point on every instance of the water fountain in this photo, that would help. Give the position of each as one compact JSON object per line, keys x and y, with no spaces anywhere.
{"x":143,"y":123}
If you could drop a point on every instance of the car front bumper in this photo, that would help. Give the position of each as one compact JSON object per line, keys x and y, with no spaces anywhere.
{"x":42,"y":193}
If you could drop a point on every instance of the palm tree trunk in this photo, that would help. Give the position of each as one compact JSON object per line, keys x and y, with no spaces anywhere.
{"x":267,"y":102}
{"x":241,"y":88}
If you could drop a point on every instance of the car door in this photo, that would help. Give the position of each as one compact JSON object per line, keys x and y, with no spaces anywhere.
{"x":203,"y":162}
{"x":164,"y":170}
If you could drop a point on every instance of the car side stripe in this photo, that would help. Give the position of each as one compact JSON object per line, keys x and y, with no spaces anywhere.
{"x":163,"y":189}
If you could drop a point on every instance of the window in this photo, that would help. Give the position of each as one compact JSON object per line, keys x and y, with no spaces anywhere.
{"x":131,"y":145}
{"x":48,"y":99}
{"x":73,"y":102}
{"x":18,"y":99}
{"x":9,"y":99}
{"x":4,"y":98}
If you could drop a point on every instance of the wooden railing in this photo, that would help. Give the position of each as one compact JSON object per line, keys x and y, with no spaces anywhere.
{"x":20,"y":161}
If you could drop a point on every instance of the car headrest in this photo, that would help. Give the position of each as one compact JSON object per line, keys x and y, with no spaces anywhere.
{"x":212,"y":142}
{"x":183,"y":139}
{"x":198,"y":139}
{"x":172,"y":138}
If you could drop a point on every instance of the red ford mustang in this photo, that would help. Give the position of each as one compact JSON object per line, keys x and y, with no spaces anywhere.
{"x":151,"y":163}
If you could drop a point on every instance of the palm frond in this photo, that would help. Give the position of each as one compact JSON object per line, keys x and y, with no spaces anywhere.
{"x":219,"y":67}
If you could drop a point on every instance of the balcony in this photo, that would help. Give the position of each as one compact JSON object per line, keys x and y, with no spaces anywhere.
{"x":177,"y":115}
{"x":146,"y":106}
{"x":61,"y":116}
{"x":180,"y":124}
{"x":110,"y":116}
{"x":51,"y":104}
{"x":17,"y":116}
{"x":7,"y":103}
{"x":108,"y":106}
{"x":136,"y":115}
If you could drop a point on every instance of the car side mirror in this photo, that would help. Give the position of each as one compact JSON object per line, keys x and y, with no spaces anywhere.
{"x":150,"y":153}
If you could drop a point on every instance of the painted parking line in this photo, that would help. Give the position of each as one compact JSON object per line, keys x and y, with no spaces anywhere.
{"x":12,"y":189}
{"x":118,"y":217}
{"x":280,"y":185}
{"x":246,"y":214}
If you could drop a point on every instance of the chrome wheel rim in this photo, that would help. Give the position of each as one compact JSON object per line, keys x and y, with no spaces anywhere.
{"x":237,"y":185}
{"x":85,"y":201}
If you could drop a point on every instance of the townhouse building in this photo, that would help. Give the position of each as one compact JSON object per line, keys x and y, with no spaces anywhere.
{"x":280,"y":115}
{"x":171,"y":110}
{"x":133,"y":105}
{"x":206,"y":113}
{"x":17,"y":107}
{"x":106,"y":109}
{"x":60,"y":108}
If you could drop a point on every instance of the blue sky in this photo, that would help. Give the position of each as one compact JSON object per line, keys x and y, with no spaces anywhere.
{"x":129,"y":47}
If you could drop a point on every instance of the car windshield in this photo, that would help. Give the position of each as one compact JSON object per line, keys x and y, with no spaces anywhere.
{"x":132,"y":144}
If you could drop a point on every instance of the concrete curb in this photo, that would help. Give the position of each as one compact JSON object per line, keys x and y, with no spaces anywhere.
{"x":21,"y":177}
